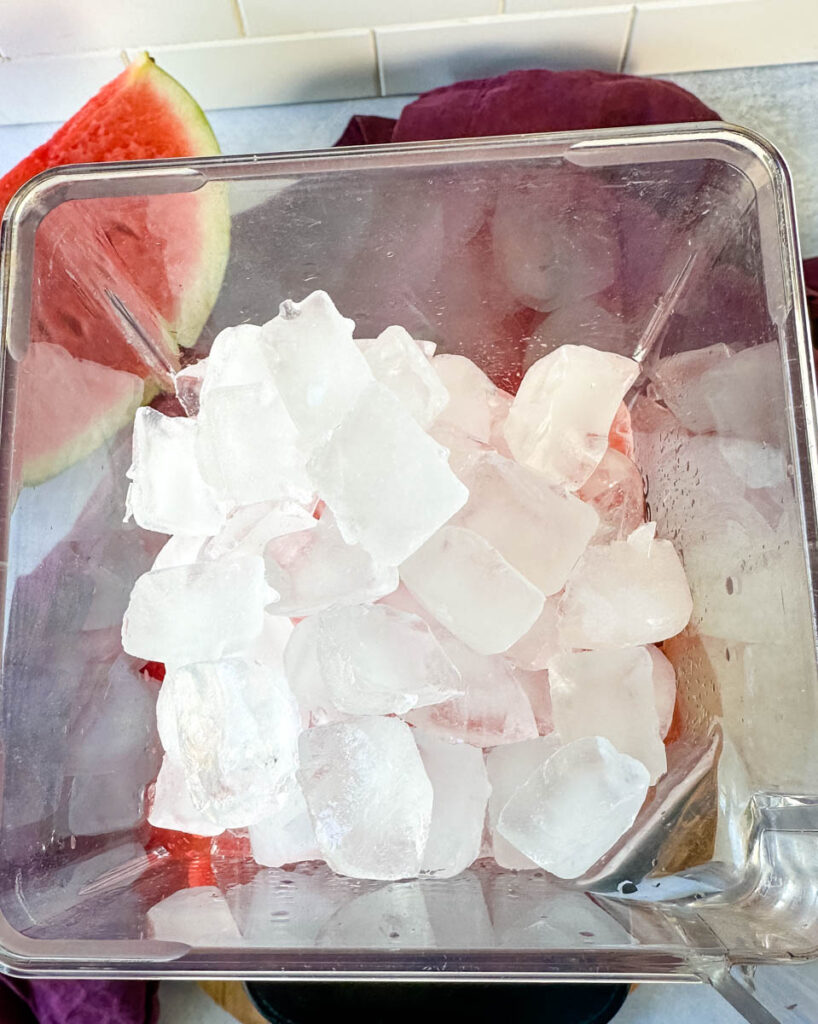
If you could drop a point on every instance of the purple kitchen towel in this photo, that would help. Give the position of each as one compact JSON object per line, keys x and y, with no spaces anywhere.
{"x":78,"y":1002}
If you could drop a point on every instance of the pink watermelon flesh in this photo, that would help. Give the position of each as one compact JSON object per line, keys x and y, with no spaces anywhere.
{"x":66,"y":408}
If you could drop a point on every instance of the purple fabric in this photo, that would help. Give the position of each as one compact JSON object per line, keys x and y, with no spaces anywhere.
{"x":78,"y":1002}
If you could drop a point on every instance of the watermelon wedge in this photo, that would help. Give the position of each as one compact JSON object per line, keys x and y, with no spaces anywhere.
{"x":120,"y":282}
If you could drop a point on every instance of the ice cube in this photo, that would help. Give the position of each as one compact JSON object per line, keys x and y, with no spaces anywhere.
{"x":537,"y":529}
{"x":114,"y":730}
{"x":390,"y":916}
{"x":387,"y":482}
{"x":677,"y":382}
{"x":560,"y":419}
{"x":494,"y":709}
{"x":369,"y":797}
{"x":664,"y":686}
{"x":239,"y":355}
{"x":248,"y":448}
{"x":179,"y":550}
{"x":554,"y":240}
{"x":745,"y":395}
{"x":461,"y":788}
{"x":237,"y":727}
{"x":535,"y":649}
{"x":616,"y":491}
{"x":168,"y":493}
{"x":575,"y":806}
{"x":474,"y":402}
{"x":306,"y":679}
{"x":318,"y":369}
{"x":172,"y":807}
{"x":376,"y":660}
{"x":509,"y":767}
{"x":188,"y":386}
{"x":249,"y":529}
{"x":625,"y":594}
{"x":317,"y":570}
{"x":199,"y":612}
{"x":399,"y":364}
{"x":101,"y":804}
{"x":198,"y":917}
{"x":472,"y":590}
{"x":610,"y":694}
{"x":286,"y":836}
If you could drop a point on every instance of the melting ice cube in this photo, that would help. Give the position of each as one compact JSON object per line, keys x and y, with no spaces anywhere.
{"x":397,"y":362}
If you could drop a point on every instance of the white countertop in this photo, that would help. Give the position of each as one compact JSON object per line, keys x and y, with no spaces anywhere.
{"x":779,"y":102}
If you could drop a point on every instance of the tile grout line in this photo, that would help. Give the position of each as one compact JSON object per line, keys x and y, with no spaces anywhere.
{"x":239,"y":15}
{"x":626,"y":45}
{"x":378,"y":63}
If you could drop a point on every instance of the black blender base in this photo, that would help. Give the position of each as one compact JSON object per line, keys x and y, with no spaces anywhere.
{"x":430,"y":1002}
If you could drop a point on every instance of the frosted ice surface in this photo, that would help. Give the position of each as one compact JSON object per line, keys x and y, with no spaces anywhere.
{"x":457,"y":772}
{"x":535,"y":648}
{"x":200,"y":612}
{"x":318,"y":369}
{"x":248,"y":448}
{"x":559,"y":421}
{"x":387,"y":482}
{"x":172,"y":807}
{"x":239,"y":355}
{"x":575,"y":807}
{"x":369,"y":797}
{"x":316,"y":570}
{"x":537,"y":529}
{"x":188,"y":386}
{"x":616,"y":491}
{"x":664,"y":685}
{"x":472,"y":590}
{"x":286,"y":836}
{"x":494,"y":708}
{"x":249,"y":529}
{"x":475,"y":404}
{"x":305,"y":677}
{"x":390,"y":916}
{"x":199,"y":917}
{"x":168,"y":493}
{"x":397,"y":362}
{"x":237,"y":727}
{"x":509,"y":766}
{"x":677,"y":382}
{"x":625,"y":594}
{"x":610,"y":694}
{"x":376,"y":660}
{"x":179,"y":550}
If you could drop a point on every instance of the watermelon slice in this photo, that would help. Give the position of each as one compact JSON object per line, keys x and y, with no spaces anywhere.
{"x":118,"y":282}
{"x":162,"y":257}
{"x":66,"y":408}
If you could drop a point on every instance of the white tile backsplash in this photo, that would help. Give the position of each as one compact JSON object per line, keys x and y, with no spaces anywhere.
{"x":681,"y":36}
{"x":280,"y":17}
{"x":33,"y":27}
{"x":290,"y":69}
{"x":424,"y":56}
{"x":52,"y":88}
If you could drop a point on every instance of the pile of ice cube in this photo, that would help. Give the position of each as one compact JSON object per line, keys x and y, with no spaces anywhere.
{"x":407,"y":620}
